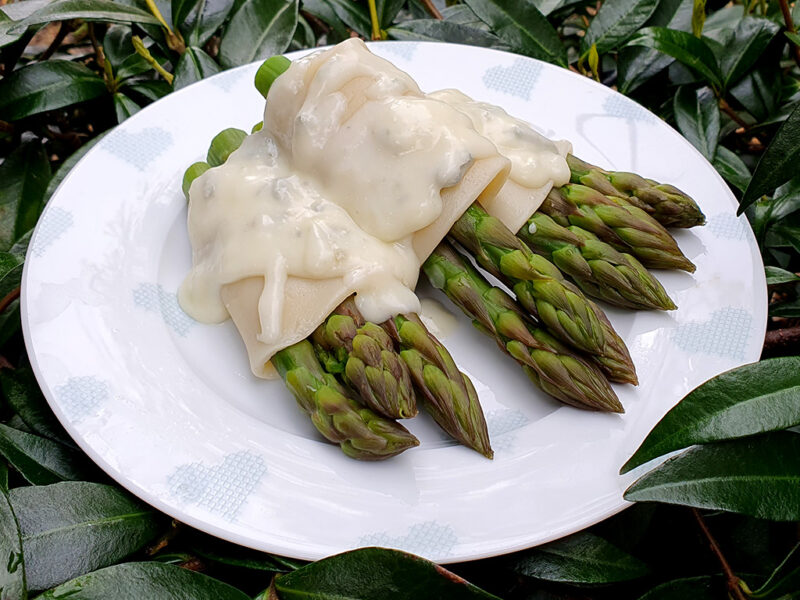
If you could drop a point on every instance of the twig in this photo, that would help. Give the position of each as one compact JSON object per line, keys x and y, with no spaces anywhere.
{"x":164,"y":540}
{"x":726,"y":108}
{"x":732,"y":579}
{"x":98,"y":49}
{"x":431,"y":8}
{"x":9,"y":298}
{"x":787,"y":19}
{"x":63,"y":31}
{"x":777,"y":339}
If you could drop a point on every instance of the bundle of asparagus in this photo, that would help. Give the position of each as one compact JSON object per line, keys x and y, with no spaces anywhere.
{"x":354,"y":377}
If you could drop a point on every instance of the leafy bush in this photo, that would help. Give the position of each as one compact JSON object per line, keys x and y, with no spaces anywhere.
{"x":727,"y":76}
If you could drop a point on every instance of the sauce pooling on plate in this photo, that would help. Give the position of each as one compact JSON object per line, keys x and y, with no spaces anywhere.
{"x":348,"y":174}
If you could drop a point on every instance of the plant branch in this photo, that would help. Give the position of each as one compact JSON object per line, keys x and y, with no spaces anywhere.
{"x":431,"y":8}
{"x":63,"y":30}
{"x":787,"y":19}
{"x":9,"y":298}
{"x":728,"y":110}
{"x":731,"y":577}
{"x":777,"y":339}
{"x":100,"y":57}
{"x":373,"y":18}
{"x":139,"y":46}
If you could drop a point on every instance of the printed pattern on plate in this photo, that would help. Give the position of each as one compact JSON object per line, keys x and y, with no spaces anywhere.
{"x":518,"y":79}
{"x":55,"y":222}
{"x":153,"y":298}
{"x":81,"y":397}
{"x":138,"y":148}
{"x":427,"y":539}
{"x":725,"y":334}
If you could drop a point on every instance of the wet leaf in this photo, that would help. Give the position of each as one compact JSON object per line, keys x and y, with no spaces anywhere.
{"x":194,"y":65}
{"x":257,"y":30}
{"x":697,"y":116}
{"x":22,"y":393}
{"x":444,"y":31}
{"x":39,"y":460}
{"x":615,"y":22}
{"x":25,"y":174}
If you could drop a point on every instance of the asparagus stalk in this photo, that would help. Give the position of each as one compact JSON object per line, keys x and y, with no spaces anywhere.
{"x":616,"y":222}
{"x":542,"y":290}
{"x":451,"y":397}
{"x":364,"y":355}
{"x":550,"y":365}
{"x":360,"y":432}
{"x":598,"y":269}
{"x":665,"y":203}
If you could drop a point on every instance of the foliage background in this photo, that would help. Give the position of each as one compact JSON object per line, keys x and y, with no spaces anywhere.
{"x":725,"y":74}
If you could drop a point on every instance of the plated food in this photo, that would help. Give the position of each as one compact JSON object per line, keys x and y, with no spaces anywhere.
{"x":310,"y":234}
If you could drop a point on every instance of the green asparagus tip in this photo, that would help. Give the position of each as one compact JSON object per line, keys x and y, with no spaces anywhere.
{"x":193,"y":172}
{"x":224,"y":144}
{"x":269,"y":72}
{"x":257,"y":127}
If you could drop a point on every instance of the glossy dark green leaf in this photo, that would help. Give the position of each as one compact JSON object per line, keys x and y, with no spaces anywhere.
{"x":119,"y":51}
{"x":582,"y":558}
{"x":10,"y":31}
{"x":682,"y":46}
{"x":24,"y":173}
{"x":697,"y":116}
{"x":776,"y":276}
{"x":371,"y":573}
{"x":71,"y":528}
{"x":10,"y":272}
{"x":784,"y":580}
{"x":148,"y":90}
{"x":444,"y":31}
{"x":785,"y":309}
{"x":746,"y":44}
{"x":354,"y":15}
{"x":3,"y":477}
{"x":304,"y":36}
{"x":759,"y":92}
{"x":793,"y":37}
{"x":12,"y":568}
{"x":520,"y":25}
{"x":779,"y":162}
{"x":107,"y":11}
{"x":259,"y":29}
{"x":324,"y":11}
{"x":193,"y":65}
{"x":44,"y":86}
{"x":615,"y":22}
{"x":462,"y":14}
{"x":67,"y":165}
{"x":732,"y":168}
{"x":140,"y":580}
{"x":22,"y":394}
{"x":705,"y":587}
{"x":40,"y":460}
{"x":387,"y":11}
{"x":751,"y":399}
{"x":197,"y":20}
{"x":757,"y":476}
{"x":124,"y":107}
{"x":225,"y":553}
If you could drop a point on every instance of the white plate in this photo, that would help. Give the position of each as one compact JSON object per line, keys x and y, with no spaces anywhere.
{"x":169,"y":409}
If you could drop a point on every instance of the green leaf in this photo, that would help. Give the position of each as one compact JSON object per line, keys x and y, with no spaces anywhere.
{"x":353,"y":15}
{"x":784,"y":580}
{"x":40,"y":460}
{"x":47,"y":85}
{"x":732,"y":168}
{"x":124,"y":107}
{"x":684,"y":47}
{"x":67,"y":165}
{"x":107,"y":11}
{"x":746,"y":44}
{"x":793,"y":37}
{"x":582,"y":558}
{"x":371,"y":573}
{"x":461,"y":14}
{"x":10,"y":32}
{"x":752,"y":399}
{"x":22,"y":393}
{"x":149,"y":90}
{"x":785,"y":309}
{"x":698,"y":17}
{"x":325,"y":13}
{"x":140,"y":580}
{"x":197,"y":20}
{"x":757,"y":476}
{"x":697,"y":116}
{"x":12,"y":568}
{"x":193,"y":66}
{"x":24,"y":173}
{"x":778,"y":163}
{"x":444,"y":31}
{"x":705,"y":587}
{"x":225,"y":553}
{"x":72,"y":528}
{"x":119,"y":50}
{"x":259,"y":29}
{"x":616,"y":21}
{"x":304,"y":36}
{"x":759,"y":92}
{"x":776,"y":276}
{"x":387,"y":11}
{"x":520,"y":25}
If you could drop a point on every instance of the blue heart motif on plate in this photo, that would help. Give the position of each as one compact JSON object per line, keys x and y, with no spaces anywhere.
{"x":402,"y":49}
{"x":519,"y":79}
{"x":619,"y":106}
{"x":140,"y":148}
{"x":153,"y":298}
{"x":725,"y":334}
{"x":727,"y":227}
{"x":501,"y":424}
{"x":80,"y":397}
{"x":227,"y":80}
{"x":51,"y":227}
{"x":221,"y":489}
{"x":427,"y":539}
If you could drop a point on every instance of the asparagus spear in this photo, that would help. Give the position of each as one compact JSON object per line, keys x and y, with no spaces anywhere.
{"x":451,"y":397}
{"x":666,"y":203}
{"x":360,"y":432}
{"x":542,"y":290}
{"x":597,"y":268}
{"x":550,"y":365}
{"x":364,"y":355}
{"x":616,"y":222}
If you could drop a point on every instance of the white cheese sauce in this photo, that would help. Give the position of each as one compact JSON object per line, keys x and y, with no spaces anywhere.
{"x":349,"y":165}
